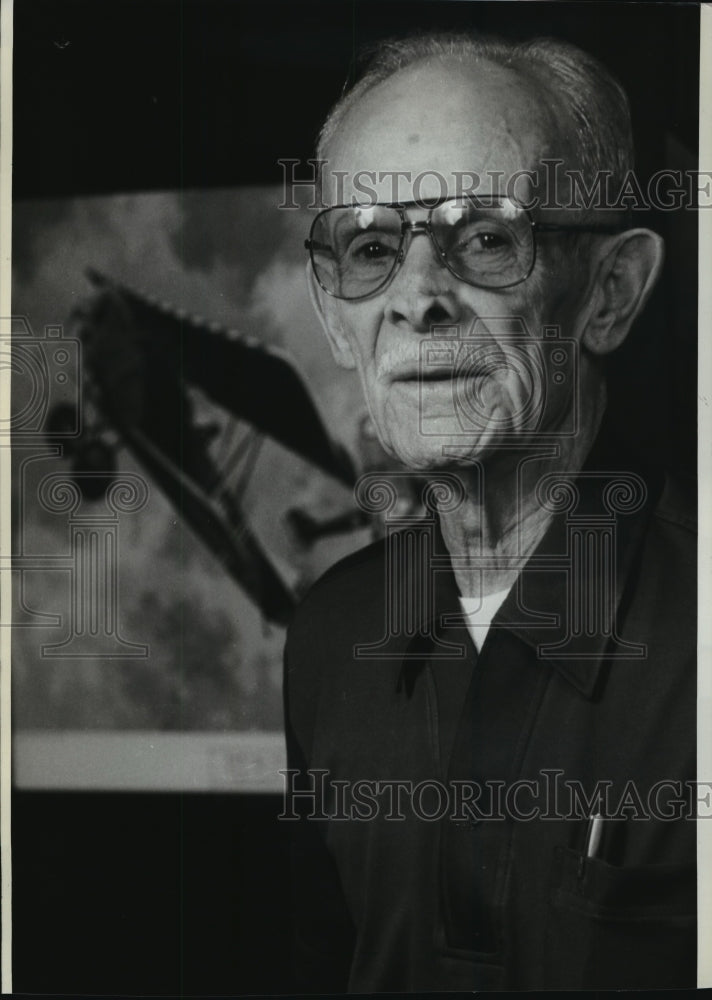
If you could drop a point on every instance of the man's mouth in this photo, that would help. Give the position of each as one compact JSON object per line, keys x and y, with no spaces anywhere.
{"x":436,"y":375}
{"x":423,"y":376}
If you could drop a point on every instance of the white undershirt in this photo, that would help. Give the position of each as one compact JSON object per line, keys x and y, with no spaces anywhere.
{"x":479,"y":613}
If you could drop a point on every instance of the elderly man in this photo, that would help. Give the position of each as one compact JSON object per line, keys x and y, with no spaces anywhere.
{"x":490,"y":713}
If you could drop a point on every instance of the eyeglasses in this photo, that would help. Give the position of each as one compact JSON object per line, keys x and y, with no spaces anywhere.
{"x":488,"y":242}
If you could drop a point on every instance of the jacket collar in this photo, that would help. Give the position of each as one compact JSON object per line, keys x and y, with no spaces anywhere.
{"x":615,"y":495}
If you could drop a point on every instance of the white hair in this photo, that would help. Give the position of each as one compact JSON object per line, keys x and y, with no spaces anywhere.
{"x":595,"y":102}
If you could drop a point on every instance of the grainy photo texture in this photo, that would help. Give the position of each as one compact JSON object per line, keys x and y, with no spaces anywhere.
{"x":353,"y":432}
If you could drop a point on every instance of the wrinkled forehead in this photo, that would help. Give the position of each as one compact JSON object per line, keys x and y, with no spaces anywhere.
{"x":413,"y":135}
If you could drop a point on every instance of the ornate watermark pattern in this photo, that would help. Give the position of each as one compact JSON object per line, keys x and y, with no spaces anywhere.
{"x":591,"y":572}
{"x":93,"y":562}
{"x":47,"y":418}
{"x":45,"y":377}
{"x":410,"y":545}
{"x":584,"y":627}
{"x":491,"y":350}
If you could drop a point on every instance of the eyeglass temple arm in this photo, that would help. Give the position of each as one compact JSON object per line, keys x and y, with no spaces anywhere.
{"x":562,"y":227}
{"x":316,"y":245}
{"x":545,"y":227}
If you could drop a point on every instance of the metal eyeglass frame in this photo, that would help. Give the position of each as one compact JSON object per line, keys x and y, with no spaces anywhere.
{"x":425,"y":227}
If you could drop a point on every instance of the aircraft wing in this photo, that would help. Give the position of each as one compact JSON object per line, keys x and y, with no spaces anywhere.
{"x":253,"y":381}
{"x":142,"y":357}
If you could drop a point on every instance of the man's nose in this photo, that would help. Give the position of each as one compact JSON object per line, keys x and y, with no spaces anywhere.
{"x":421,"y":294}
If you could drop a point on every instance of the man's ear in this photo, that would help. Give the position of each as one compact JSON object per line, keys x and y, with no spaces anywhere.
{"x":325,"y":308}
{"x":625,"y":278}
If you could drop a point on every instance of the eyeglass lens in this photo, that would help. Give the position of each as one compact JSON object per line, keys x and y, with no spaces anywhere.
{"x":355,"y":249}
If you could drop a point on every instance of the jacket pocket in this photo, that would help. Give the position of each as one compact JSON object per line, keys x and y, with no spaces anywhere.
{"x":617,"y":927}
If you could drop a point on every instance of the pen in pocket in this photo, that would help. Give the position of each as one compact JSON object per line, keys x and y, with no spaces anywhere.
{"x":593,"y":835}
{"x":592,"y":843}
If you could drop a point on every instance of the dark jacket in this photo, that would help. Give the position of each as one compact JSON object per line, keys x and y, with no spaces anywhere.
{"x":478,"y":876}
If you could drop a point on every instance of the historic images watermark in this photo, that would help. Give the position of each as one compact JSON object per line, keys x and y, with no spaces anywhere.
{"x":548,"y":187}
{"x":313,"y":794}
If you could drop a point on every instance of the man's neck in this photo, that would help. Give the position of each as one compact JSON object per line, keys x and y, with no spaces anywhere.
{"x":501,"y":521}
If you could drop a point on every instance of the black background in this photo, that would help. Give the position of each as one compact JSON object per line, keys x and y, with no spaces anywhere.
{"x":137,"y":893}
{"x":139,"y":95}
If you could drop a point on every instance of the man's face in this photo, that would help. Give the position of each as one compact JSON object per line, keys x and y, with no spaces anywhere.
{"x":427,"y":123}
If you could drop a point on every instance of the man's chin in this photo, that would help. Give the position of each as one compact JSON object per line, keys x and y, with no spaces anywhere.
{"x":440,"y":452}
